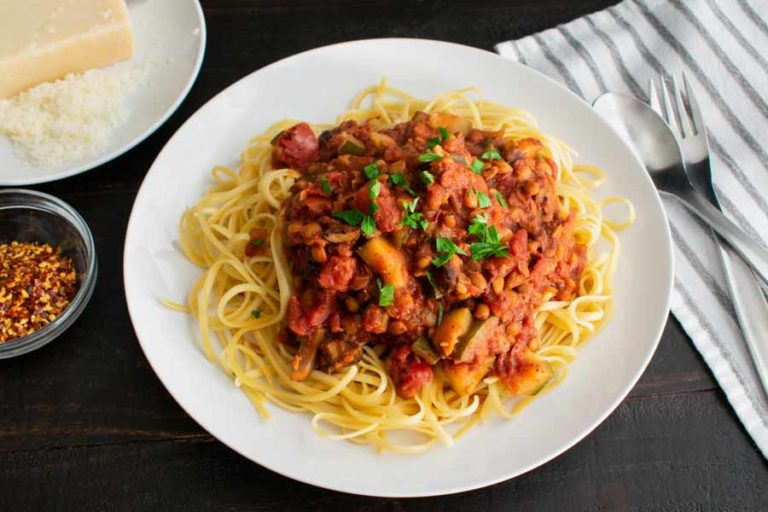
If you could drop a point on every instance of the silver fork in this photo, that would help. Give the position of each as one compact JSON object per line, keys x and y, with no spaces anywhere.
{"x":681,"y":111}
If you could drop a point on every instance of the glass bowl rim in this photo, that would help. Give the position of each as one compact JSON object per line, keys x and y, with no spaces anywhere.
{"x":55,"y":206}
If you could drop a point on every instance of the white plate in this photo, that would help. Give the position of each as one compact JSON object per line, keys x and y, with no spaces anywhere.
{"x":317,"y":86}
{"x":169,"y":38}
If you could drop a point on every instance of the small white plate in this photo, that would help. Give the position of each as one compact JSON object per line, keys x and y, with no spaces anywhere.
{"x":169,"y":38}
{"x":317,"y":86}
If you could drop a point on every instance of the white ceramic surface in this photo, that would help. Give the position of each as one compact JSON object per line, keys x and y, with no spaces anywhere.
{"x":316,"y":86}
{"x":169,"y":38}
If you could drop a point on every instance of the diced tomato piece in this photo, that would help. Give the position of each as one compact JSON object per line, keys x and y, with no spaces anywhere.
{"x":302,"y":317}
{"x":296,"y":147}
{"x":408,"y":373}
{"x":337,"y":273}
{"x":388,"y":215}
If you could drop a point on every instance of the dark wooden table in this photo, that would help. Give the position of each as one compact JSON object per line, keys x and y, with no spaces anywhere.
{"x":86,"y":425}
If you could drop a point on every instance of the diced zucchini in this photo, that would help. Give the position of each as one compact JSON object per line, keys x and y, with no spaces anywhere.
{"x":351,"y":146}
{"x":475,"y":339}
{"x":531,"y":376}
{"x":455,"y":324}
{"x":382,"y":141}
{"x":386,"y":260}
{"x":452,"y":123}
{"x":424,"y":350}
{"x":464,"y":377}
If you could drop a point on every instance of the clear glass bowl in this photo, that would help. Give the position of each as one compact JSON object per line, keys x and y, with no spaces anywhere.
{"x":29,"y":216}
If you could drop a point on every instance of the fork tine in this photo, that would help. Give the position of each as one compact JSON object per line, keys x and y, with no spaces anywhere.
{"x":669,"y":110}
{"x":697,"y":121}
{"x":653,"y":97}
{"x":682,"y":113}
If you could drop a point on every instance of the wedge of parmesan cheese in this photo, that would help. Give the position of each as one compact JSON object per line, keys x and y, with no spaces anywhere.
{"x":43,"y":40}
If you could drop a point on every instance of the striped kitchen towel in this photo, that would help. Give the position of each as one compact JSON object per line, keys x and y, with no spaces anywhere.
{"x":720,"y":44}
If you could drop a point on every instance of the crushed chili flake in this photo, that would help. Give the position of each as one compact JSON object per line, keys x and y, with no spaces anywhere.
{"x":37,"y":284}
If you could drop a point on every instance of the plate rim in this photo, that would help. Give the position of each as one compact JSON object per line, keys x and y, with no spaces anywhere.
{"x":161,"y":120}
{"x":436,"y":491}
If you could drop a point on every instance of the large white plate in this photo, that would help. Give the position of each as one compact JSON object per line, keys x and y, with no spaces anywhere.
{"x":169,"y":37}
{"x":317,"y":86}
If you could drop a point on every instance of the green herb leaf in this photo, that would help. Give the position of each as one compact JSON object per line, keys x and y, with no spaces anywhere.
{"x":447,"y":248}
{"x":482,"y":250}
{"x":491,"y":155}
{"x":489,"y":245}
{"x":434,"y":141}
{"x":256,"y":313}
{"x":326,"y":185}
{"x":477,"y":167}
{"x":371,"y":171}
{"x":397,"y":179}
{"x":373,"y":193}
{"x":439,"y":314}
{"x":447,"y":245}
{"x":443,"y":134}
{"x":352,"y":217}
{"x":412,"y":218}
{"x":256,"y":243}
{"x":427,"y":177}
{"x":501,"y":200}
{"x":368,"y":226}
{"x":429,"y":157}
{"x":386,"y":294}
{"x":478,"y":226}
{"x":483,"y":201}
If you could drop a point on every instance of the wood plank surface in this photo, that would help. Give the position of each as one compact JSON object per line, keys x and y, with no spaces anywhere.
{"x":86,"y":425}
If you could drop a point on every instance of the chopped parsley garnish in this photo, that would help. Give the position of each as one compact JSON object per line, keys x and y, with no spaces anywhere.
{"x":256,"y":313}
{"x":434,"y":141}
{"x":412,"y":218}
{"x":371,"y":171}
{"x":478,"y":226}
{"x":501,"y":200}
{"x":352,"y":217}
{"x":368,"y":226}
{"x":386,"y":294}
{"x":447,"y":248}
{"x":439,"y":314}
{"x":489,"y":245}
{"x":427,"y":177}
{"x":429,"y":157}
{"x":483,"y":201}
{"x":373,"y":193}
{"x":256,"y":243}
{"x":491,"y":155}
{"x":398,"y":179}
{"x":477,"y":167}
{"x":326,"y":185}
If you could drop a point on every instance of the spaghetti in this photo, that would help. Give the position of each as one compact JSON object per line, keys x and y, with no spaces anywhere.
{"x":242,"y":298}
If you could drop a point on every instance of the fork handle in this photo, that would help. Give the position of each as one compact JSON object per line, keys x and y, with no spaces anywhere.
{"x":753,"y":253}
{"x":751,"y":309}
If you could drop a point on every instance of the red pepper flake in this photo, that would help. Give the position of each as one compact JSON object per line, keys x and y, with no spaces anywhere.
{"x":37,"y":284}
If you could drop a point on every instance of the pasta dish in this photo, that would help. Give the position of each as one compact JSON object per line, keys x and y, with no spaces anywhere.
{"x":405,"y":273}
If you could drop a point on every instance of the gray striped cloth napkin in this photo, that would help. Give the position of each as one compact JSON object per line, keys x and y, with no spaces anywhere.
{"x":720,"y":44}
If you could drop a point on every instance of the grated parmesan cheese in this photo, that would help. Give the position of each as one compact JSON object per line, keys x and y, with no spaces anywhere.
{"x":70,"y":119}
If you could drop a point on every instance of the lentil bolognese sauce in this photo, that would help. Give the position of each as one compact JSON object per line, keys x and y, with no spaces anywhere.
{"x":413,"y":267}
